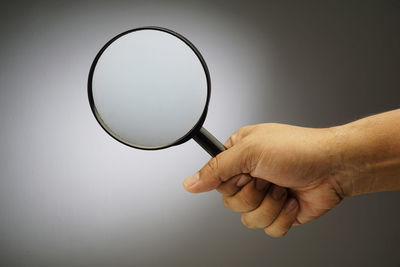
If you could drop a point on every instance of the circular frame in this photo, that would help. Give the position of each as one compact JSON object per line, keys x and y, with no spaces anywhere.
{"x":181,"y":140}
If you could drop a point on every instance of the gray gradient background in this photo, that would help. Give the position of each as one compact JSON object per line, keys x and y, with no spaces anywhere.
{"x":70,"y":195}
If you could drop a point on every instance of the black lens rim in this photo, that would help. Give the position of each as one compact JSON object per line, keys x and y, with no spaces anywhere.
{"x":181,"y":140}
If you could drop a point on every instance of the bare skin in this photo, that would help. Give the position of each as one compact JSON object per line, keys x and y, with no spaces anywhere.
{"x":279,"y":175}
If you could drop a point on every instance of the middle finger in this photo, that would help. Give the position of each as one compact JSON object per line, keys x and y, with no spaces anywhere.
{"x":248,"y":198}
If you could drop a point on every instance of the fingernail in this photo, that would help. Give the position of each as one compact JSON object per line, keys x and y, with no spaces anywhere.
{"x":191,"y":180}
{"x":291,"y":205}
{"x":278,"y":192}
{"x":244,"y":179}
{"x":261,"y":184}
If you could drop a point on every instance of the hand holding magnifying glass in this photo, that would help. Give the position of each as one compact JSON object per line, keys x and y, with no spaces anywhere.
{"x":149,"y":88}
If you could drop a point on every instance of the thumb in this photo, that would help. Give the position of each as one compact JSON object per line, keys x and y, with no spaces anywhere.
{"x":219,"y":169}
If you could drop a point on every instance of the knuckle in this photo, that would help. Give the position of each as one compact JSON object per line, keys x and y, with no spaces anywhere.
{"x":274,"y":232}
{"x":250,"y":221}
{"x":268,"y":218}
{"x":242,"y":132}
{"x":234,"y":138}
{"x":220,"y":189}
{"x":234,"y":204}
{"x":250,"y":156}
{"x":245,"y":221}
{"x":229,"y":142}
{"x":226,"y":201}
{"x":213,"y":164}
{"x":270,"y":212}
{"x":227,"y":189}
{"x":247,"y":128}
{"x":248,"y":201}
{"x":277,"y":231}
{"x":238,"y":132}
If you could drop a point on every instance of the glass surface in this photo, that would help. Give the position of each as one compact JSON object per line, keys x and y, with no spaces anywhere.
{"x":149,"y":88}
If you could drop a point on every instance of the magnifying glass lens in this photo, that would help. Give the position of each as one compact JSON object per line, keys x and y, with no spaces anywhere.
{"x":149,"y":88}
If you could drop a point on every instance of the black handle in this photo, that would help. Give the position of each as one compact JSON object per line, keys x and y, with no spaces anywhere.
{"x":209,"y":142}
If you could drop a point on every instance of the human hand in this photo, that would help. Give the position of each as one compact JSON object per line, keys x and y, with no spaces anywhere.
{"x":276,"y":175}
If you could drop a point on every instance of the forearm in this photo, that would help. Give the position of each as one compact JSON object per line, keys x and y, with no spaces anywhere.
{"x":368,"y":154}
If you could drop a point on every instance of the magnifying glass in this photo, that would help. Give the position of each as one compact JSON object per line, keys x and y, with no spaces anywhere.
{"x":149,"y":88}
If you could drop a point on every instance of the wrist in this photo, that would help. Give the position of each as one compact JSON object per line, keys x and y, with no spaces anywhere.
{"x":355,"y":158}
{"x":346,"y":171}
{"x":367,"y":157}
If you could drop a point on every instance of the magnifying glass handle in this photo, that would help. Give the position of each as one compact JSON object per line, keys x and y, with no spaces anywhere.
{"x":209,"y":142}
